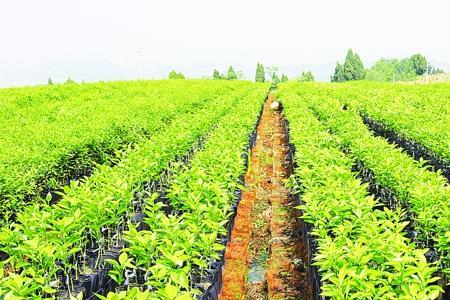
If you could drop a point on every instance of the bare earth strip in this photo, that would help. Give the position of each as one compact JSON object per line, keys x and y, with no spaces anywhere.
{"x":266,"y":254}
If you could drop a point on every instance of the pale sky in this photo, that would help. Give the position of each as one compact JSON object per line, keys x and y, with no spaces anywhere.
{"x":227,"y":32}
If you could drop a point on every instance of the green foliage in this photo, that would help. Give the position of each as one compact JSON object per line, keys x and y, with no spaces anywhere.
{"x":200,"y":194}
{"x":275,"y":79}
{"x":65,"y":130}
{"x":118,"y":267}
{"x":70,"y":81}
{"x":175,"y":75}
{"x":39,"y":250}
{"x":362,"y":252}
{"x":270,"y":71}
{"x":217,"y":75}
{"x":383,"y":70}
{"x":419,"y":64}
{"x":231,"y":74}
{"x":424,"y":192}
{"x":306,"y":76}
{"x":132,"y":294}
{"x":284,"y":78}
{"x":338,"y":74}
{"x":260,"y":74}
{"x":391,"y":70}
{"x":352,"y":69}
{"x":400,"y":70}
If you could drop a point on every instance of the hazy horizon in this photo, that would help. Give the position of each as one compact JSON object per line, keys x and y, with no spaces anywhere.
{"x":107,"y":40}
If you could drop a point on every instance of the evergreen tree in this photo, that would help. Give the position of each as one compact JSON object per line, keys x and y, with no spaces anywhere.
{"x":284,"y":78}
{"x":260,"y":75}
{"x":338,"y":74}
{"x":419,"y":63}
{"x":231,"y":75}
{"x":216,"y":75}
{"x":308,"y":76}
{"x":352,"y":69}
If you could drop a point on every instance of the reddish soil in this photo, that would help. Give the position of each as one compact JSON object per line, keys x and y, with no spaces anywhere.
{"x":266,"y":254}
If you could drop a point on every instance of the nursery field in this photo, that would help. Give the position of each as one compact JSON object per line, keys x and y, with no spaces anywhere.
{"x":207,"y":189}
{"x":60,"y":248}
{"x":370,"y":171}
{"x":52,"y":134}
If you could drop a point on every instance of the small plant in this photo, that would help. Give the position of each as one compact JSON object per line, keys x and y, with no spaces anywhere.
{"x":117,"y":273}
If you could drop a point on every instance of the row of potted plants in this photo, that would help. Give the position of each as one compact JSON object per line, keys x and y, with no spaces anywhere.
{"x":359,"y":248}
{"x":51,"y":135}
{"x":45,"y":247}
{"x":424,"y":192}
{"x":180,"y":254}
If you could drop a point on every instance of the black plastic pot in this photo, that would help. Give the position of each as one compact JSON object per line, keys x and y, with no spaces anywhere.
{"x":89,"y":282}
{"x":413,"y":148}
{"x":213,"y":279}
{"x":306,"y":228}
{"x":65,"y":295}
{"x":3,"y":256}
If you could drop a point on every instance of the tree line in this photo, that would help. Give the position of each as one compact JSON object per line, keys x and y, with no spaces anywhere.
{"x":351,"y":69}
{"x":383,"y":70}
{"x":262,"y":74}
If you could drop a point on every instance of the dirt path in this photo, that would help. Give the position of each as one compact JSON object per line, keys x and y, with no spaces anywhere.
{"x":265,"y":257}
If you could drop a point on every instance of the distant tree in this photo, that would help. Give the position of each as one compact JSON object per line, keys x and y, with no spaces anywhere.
{"x":240,"y":74}
{"x":400,"y":69}
{"x":383,"y":70}
{"x":175,"y":75}
{"x":50,"y":81}
{"x":307,"y":76}
{"x":270,"y":70}
{"x":419,"y":63}
{"x":275,"y":79}
{"x":217,"y":75}
{"x":352,"y":69}
{"x":260,"y":75}
{"x":434,"y":70}
{"x":392,"y":70}
{"x":231,"y":75}
{"x":338,"y":75}
{"x":284,"y":78}
{"x":70,"y":81}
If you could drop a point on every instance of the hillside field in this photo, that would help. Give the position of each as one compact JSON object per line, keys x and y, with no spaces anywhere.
{"x":225,"y":189}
